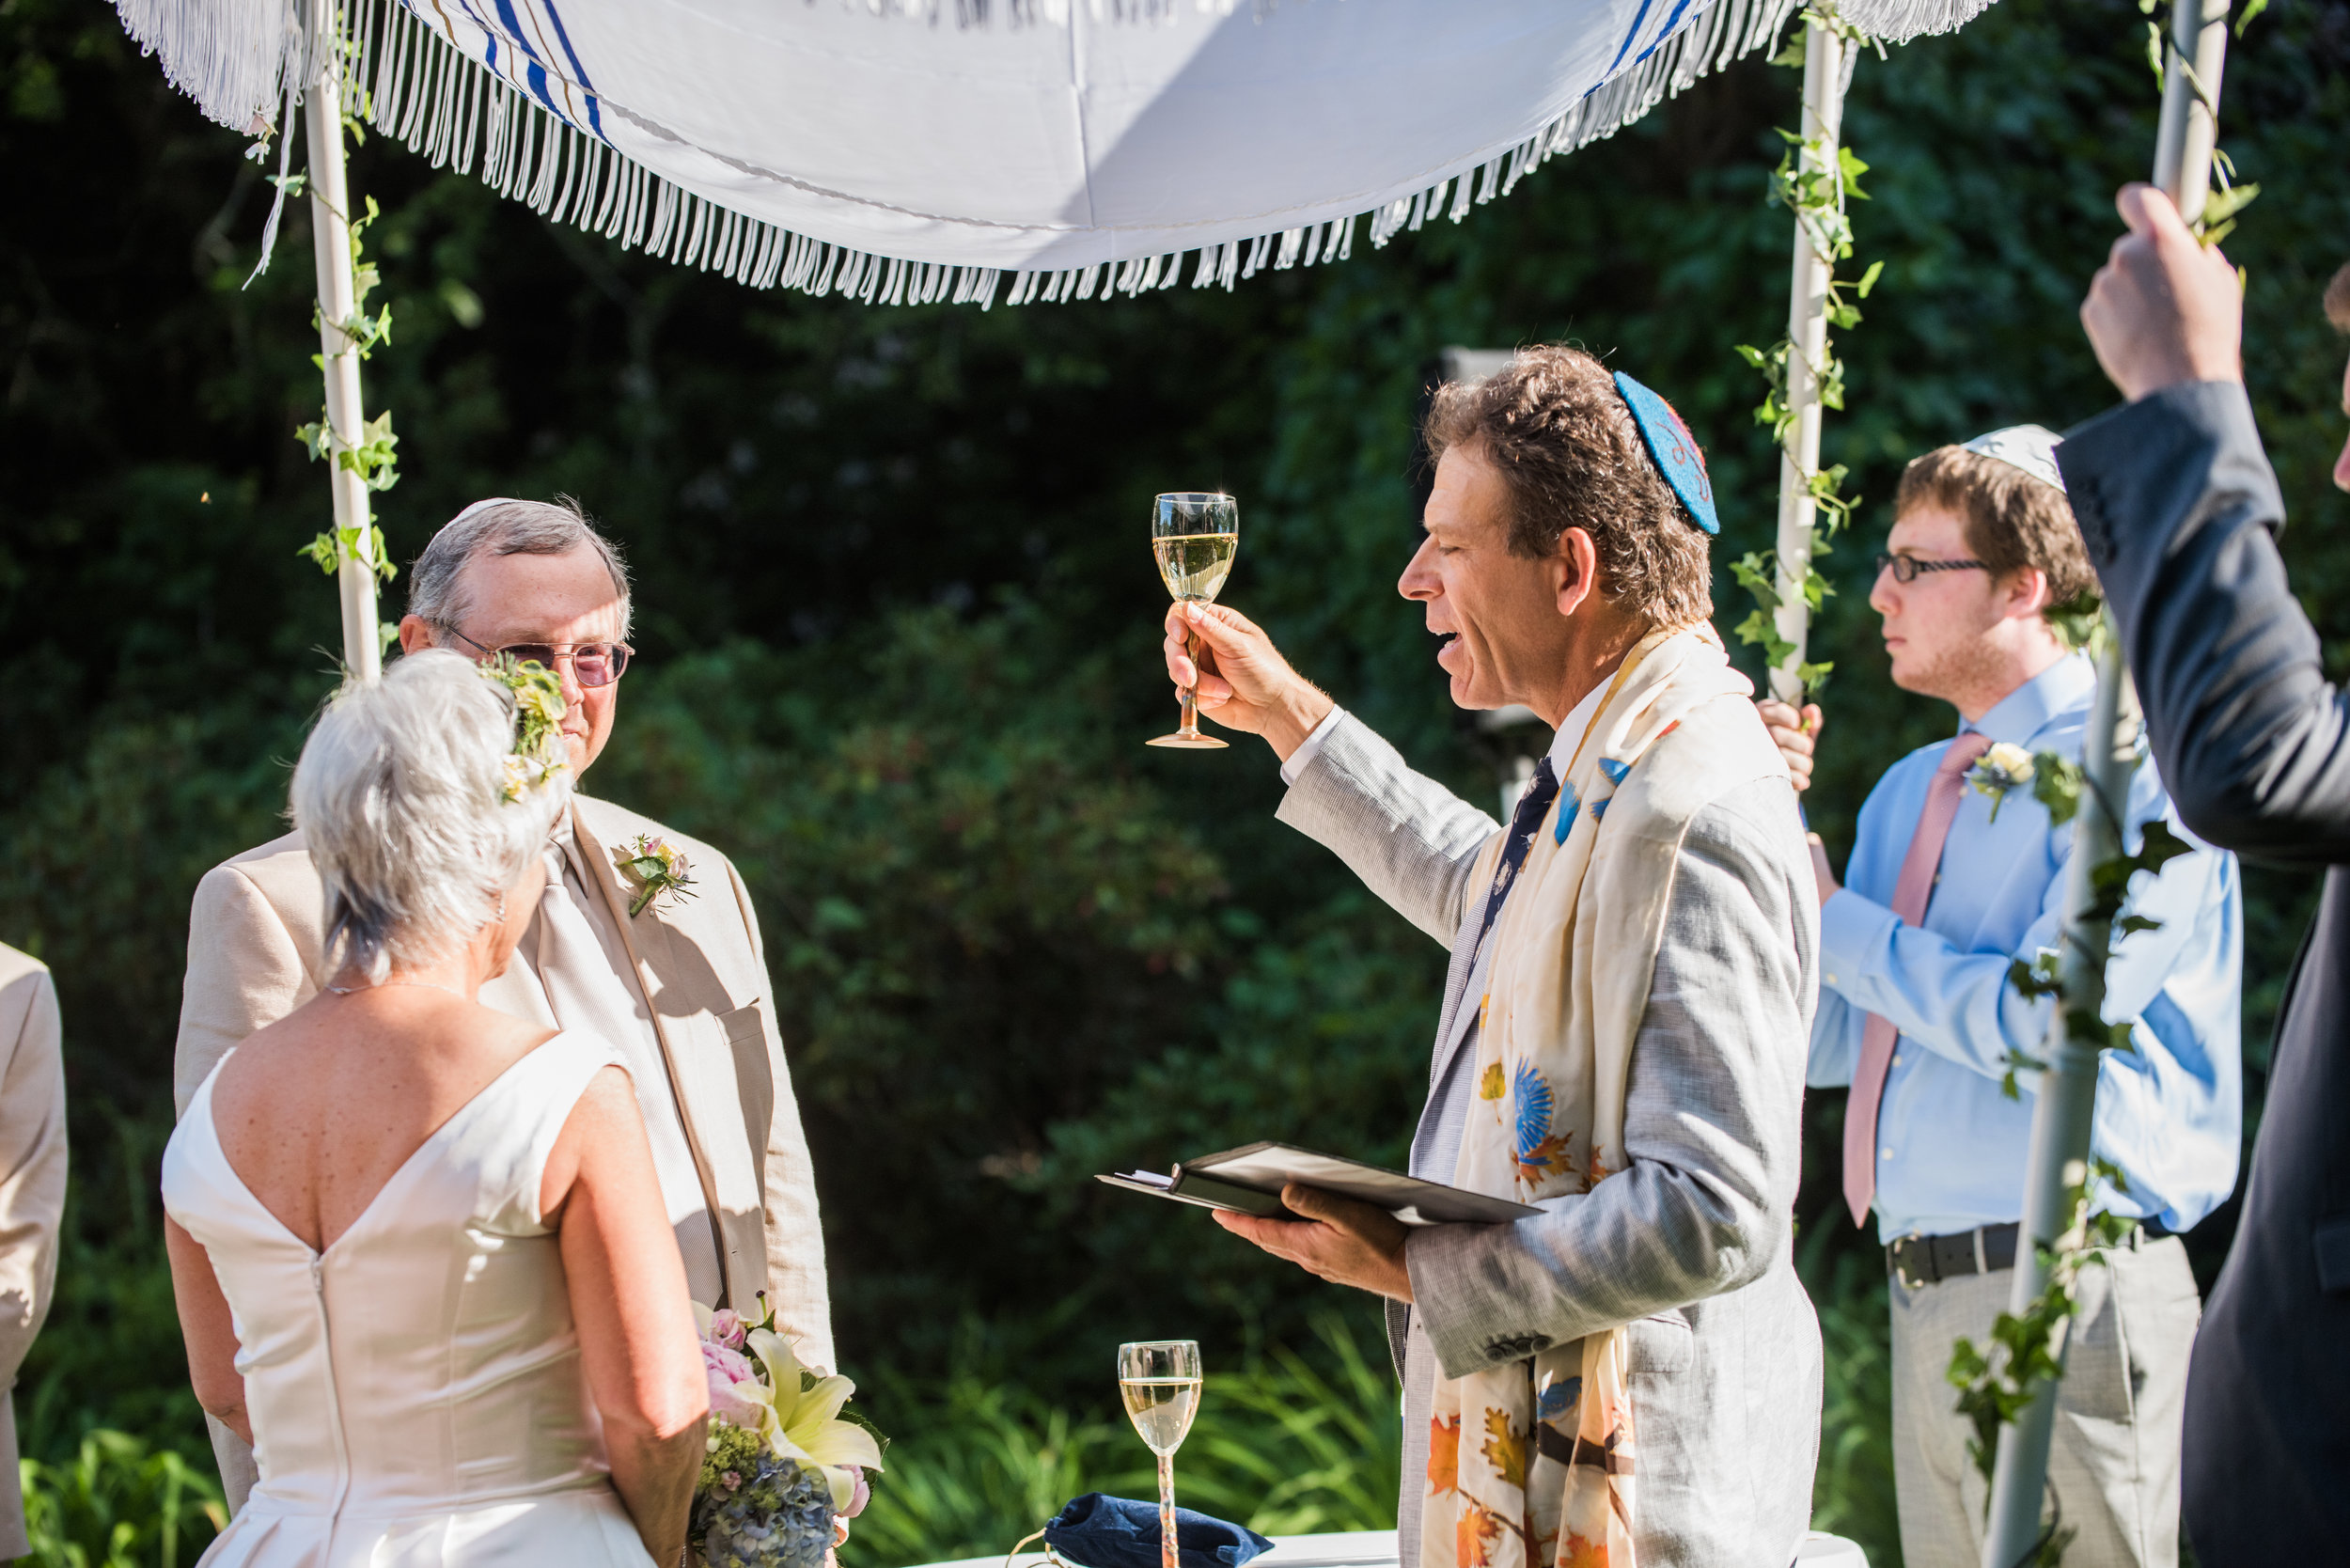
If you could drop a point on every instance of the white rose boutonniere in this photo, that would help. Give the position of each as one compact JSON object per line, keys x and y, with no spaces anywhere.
{"x":653,"y":867}
{"x":2005,"y":766}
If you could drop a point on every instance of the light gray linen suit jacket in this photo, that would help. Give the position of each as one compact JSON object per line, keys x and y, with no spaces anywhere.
{"x":1691,"y":1245}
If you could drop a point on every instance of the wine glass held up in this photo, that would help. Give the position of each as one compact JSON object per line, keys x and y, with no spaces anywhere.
{"x":1195,"y":535}
{"x":1159,"y":1380}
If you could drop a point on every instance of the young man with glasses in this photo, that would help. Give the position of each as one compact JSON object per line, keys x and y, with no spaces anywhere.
{"x":537,"y":582}
{"x":1951,"y":881}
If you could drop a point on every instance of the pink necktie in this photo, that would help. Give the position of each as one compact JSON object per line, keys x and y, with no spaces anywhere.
{"x":1910,"y":897}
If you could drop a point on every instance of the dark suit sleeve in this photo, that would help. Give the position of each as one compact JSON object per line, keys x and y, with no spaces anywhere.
{"x":2179,"y":508}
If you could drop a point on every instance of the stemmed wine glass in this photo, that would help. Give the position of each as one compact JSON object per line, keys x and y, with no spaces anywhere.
{"x":1194,"y":535}
{"x":1159,"y":1380}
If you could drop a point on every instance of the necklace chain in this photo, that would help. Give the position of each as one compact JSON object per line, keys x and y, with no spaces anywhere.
{"x":427,"y":985}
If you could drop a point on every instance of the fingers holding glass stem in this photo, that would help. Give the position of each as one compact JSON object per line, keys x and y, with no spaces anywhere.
{"x":1194,"y":535}
{"x":1238,"y":677}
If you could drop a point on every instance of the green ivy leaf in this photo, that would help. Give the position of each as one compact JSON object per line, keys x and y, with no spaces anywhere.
{"x":2056,"y":782}
{"x":1760,"y":629}
{"x":1758,"y":573}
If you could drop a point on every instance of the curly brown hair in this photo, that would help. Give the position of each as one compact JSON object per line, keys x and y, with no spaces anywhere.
{"x":1556,"y":429}
{"x":2012,"y":519}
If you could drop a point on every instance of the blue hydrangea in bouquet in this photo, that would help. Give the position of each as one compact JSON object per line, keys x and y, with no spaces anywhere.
{"x":781,"y":1462}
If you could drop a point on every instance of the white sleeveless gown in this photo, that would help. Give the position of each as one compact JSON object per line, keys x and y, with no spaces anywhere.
{"x":415,"y":1389}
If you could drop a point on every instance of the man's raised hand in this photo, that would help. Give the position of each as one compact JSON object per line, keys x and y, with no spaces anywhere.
{"x":1249,"y":685}
{"x":1794,"y":735}
{"x":2163,"y":310}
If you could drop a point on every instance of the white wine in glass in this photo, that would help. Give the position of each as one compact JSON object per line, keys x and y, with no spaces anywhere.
{"x":1194,"y":535}
{"x":1159,"y":1380}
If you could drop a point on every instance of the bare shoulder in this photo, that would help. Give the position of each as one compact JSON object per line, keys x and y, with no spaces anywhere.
{"x":603,"y":1136}
{"x":442,"y":1045}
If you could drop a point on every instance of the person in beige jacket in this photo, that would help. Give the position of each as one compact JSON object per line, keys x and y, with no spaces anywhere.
{"x":32,"y":1194}
{"x":675,"y":977}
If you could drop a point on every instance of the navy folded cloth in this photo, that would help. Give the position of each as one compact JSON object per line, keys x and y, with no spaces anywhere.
{"x":1119,"y":1532}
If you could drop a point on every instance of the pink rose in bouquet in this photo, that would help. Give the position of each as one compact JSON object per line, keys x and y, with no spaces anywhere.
{"x":728,"y":1328}
{"x":736,"y":1396}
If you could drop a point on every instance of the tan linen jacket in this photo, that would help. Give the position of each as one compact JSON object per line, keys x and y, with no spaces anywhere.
{"x":32,"y":1194}
{"x":255,"y":940}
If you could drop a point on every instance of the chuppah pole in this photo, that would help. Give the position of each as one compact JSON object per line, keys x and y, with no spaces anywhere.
{"x":1824,"y":68}
{"x":339,"y":294}
{"x":2063,"y":1114}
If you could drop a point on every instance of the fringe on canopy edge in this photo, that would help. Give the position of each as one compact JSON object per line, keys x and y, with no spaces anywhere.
{"x":423,"y":91}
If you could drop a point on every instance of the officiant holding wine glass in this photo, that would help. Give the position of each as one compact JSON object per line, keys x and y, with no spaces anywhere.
{"x":1636,"y":1371}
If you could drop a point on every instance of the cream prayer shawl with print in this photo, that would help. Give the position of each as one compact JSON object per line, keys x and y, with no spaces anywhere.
{"x":1530,"y":1465}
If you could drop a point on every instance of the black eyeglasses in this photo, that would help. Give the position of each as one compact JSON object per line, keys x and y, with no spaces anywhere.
{"x":593,"y":664}
{"x":1905,"y":568}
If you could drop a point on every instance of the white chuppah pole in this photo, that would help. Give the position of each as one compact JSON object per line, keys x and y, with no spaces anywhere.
{"x":1824,"y":66}
{"x":2063,"y":1117}
{"x":330,"y":229}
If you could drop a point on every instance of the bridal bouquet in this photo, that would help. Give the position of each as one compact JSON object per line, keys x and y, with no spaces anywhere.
{"x":781,"y":1464}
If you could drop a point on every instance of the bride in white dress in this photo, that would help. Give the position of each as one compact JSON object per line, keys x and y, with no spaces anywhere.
{"x":421,"y":1257}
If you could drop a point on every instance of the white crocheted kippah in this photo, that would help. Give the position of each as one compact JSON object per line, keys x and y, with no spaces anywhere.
{"x":2031,"y":447}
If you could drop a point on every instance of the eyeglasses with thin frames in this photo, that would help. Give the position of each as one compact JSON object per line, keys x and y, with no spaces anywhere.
{"x":593,"y":664}
{"x":1905,"y":568}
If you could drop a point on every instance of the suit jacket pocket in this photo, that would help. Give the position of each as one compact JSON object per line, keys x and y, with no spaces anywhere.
{"x":1663,"y":1343}
{"x":754,"y":1081}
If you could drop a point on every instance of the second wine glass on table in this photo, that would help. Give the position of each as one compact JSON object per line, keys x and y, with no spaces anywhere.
{"x":1195,"y":535}
{"x":1159,"y":1380}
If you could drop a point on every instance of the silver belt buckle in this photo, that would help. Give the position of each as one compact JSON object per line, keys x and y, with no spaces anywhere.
{"x":1901,"y":1269}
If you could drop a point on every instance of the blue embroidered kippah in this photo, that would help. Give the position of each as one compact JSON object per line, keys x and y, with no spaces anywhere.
{"x":1674,"y":449}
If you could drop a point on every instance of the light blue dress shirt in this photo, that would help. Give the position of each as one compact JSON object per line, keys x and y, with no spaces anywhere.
{"x":1951,"y":1145}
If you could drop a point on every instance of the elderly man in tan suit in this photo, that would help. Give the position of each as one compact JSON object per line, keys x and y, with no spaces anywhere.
{"x":32,"y":1195}
{"x":676,"y":979}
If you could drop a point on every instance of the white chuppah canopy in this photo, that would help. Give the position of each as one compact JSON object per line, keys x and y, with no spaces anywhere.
{"x":881,"y":150}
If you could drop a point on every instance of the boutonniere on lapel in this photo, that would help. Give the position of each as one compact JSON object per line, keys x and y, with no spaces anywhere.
{"x":653,"y":867}
{"x":2005,"y":766}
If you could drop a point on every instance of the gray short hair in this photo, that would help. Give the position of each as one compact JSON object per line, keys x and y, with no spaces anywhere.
{"x":503,"y":527}
{"x":400,"y":796}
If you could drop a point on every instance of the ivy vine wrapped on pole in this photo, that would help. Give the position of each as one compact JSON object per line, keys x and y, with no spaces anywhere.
{"x":2009,"y":1387}
{"x":1816,"y":180}
{"x":359,"y":449}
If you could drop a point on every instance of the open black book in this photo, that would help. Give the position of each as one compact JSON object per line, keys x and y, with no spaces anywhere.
{"x":1248,"y":1181}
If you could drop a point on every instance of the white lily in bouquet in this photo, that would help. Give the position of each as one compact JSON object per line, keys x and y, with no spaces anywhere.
{"x":781,"y":1464}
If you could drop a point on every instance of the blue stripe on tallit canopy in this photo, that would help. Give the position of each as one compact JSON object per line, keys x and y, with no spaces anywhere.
{"x":1664,"y":33}
{"x":579,"y":71}
{"x":514,"y":29}
{"x":1628,"y":37}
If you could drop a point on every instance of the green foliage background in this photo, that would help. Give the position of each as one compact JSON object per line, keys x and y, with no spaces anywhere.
{"x":897,"y":629}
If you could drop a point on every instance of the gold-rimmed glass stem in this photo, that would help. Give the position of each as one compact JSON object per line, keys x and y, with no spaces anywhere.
{"x":1160,"y":1382}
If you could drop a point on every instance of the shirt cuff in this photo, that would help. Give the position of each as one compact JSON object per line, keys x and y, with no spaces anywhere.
{"x":1851,"y":929}
{"x":1310,"y":747}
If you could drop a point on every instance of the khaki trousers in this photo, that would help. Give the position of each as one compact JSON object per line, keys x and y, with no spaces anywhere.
{"x":2114,"y":1463}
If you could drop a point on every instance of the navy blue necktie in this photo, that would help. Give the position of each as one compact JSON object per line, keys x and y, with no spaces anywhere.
{"x":1532,"y":806}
